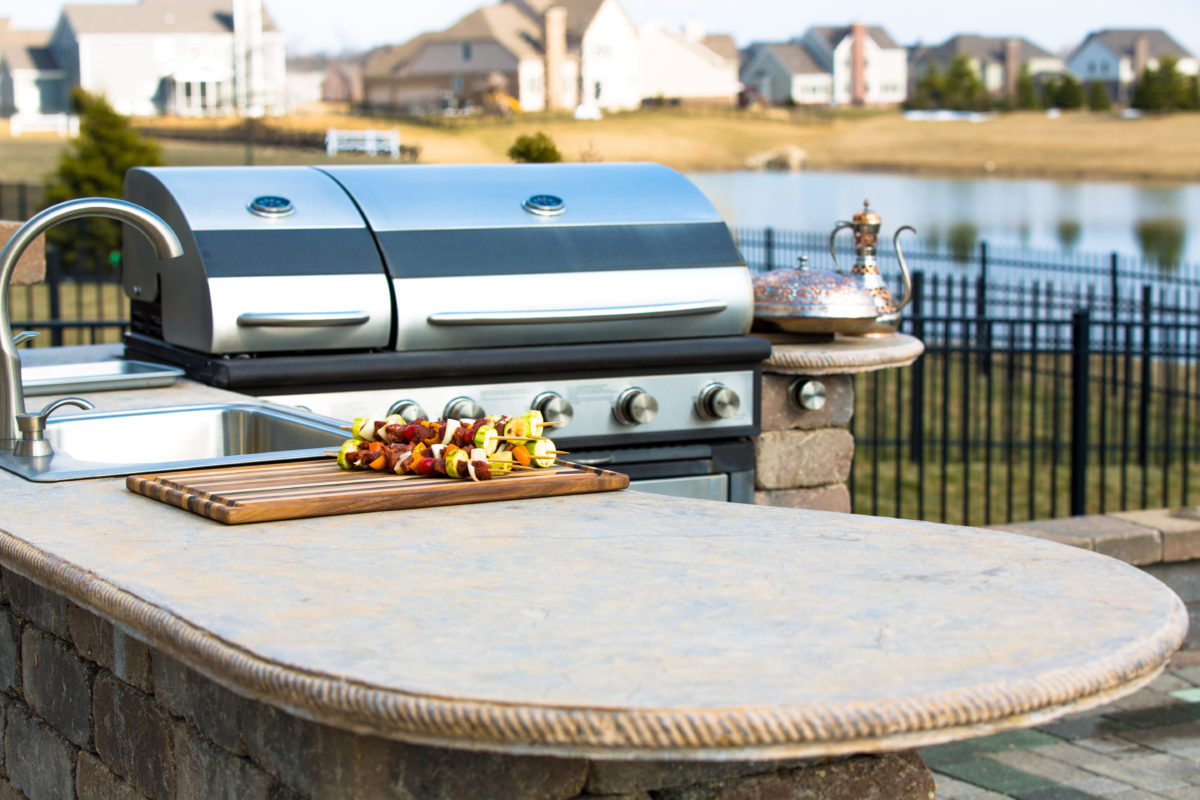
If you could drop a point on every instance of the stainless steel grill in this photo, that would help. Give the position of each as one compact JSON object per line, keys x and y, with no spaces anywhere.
{"x":610,"y":296}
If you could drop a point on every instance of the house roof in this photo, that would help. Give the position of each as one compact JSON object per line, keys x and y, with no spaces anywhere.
{"x":991,"y":49}
{"x":1121,"y":42}
{"x":157,"y":17}
{"x":504,"y":23}
{"x":723,"y":45}
{"x":516,"y":25}
{"x":795,"y":58}
{"x":580,"y":13}
{"x":39,"y":58}
{"x":834,"y":35}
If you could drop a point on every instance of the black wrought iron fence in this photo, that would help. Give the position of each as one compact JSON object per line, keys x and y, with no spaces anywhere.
{"x":81,"y":305}
{"x":1075,"y":405}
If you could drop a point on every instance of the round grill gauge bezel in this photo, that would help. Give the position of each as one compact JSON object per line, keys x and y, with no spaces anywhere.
{"x":271,"y":206}
{"x":544,"y":205}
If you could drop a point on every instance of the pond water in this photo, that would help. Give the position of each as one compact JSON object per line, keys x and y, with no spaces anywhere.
{"x":1159,"y":223}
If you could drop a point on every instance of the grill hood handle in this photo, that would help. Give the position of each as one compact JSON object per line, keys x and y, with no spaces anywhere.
{"x":301,"y":319}
{"x":577,"y":314}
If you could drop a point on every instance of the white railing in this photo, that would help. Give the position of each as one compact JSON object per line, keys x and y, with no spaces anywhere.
{"x":368,"y":141}
{"x":62,"y":124}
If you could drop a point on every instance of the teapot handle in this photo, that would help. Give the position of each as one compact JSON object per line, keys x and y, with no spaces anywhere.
{"x":837,"y":227}
{"x":903,"y":266}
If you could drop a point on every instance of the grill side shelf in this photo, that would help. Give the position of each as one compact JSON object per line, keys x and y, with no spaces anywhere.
{"x":268,"y":492}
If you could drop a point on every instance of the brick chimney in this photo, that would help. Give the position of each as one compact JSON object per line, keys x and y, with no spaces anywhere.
{"x":1141,"y":55}
{"x":858,"y":63}
{"x":555,"y":27}
{"x":1012,"y":66}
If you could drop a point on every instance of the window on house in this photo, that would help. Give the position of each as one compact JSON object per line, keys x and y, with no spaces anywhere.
{"x":457,"y":83}
{"x":466,"y":51}
{"x":1104,"y":66}
{"x":596,"y":90}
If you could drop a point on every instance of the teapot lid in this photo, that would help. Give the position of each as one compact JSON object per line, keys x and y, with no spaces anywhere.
{"x":866,"y":216}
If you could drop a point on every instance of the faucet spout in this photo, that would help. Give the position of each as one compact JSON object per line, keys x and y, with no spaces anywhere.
{"x":166,"y":245}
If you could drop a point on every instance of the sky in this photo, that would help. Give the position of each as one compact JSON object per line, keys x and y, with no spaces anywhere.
{"x":335,"y":26}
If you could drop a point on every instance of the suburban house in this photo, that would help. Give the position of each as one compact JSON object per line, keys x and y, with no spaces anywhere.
{"x":997,"y":60}
{"x":522,"y":54}
{"x":31,"y":82}
{"x":785,"y":72}
{"x":185,"y":57}
{"x":686,"y":66}
{"x":852,"y":65}
{"x":1117,"y":58}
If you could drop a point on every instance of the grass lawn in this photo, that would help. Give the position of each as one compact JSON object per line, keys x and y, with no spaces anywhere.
{"x":1078,"y":145}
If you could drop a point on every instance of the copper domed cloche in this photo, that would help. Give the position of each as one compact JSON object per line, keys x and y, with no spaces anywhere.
{"x":812,"y":301}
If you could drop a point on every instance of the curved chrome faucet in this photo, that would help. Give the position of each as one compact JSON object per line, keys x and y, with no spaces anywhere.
{"x":166,"y":245}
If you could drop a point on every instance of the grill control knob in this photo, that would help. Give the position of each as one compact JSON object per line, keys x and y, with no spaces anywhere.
{"x":717,"y":401}
{"x":409,"y":410}
{"x":463,"y":408}
{"x":635,"y":407}
{"x":554,"y":407}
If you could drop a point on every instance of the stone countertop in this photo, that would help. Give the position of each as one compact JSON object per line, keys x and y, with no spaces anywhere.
{"x":611,"y":625}
{"x":843,"y":355}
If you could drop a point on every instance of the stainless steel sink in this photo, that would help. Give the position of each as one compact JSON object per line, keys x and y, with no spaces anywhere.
{"x":100,"y":444}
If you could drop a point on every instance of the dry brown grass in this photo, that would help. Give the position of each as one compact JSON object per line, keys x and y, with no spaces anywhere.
{"x":1076,"y":145}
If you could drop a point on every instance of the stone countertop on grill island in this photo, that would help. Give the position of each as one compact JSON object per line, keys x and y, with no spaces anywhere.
{"x":614,"y":625}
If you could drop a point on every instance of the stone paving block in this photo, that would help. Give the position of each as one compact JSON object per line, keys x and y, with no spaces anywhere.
{"x":1084,"y":727}
{"x":1180,"y":534}
{"x":58,"y":685}
{"x":1182,"y":576}
{"x":1178,"y":713}
{"x":1180,"y":740}
{"x":778,"y":413}
{"x":94,"y":781}
{"x":949,"y":788}
{"x":1189,"y":674}
{"x":1054,"y":793}
{"x":1145,"y":772}
{"x":133,"y":736}
{"x":821,"y":498}
{"x":965,"y":750}
{"x":43,"y":608}
{"x":1168,"y":683}
{"x":10,"y":652}
{"x":1032,"y":762}
{"x":1188,"y":695}
{"x":993,"y":775}
{"x":40,"y":762}
{"x":212,"y":708}
{"x":1140,"y":701}
{"x":1035,"y":530}
{"x":204,"y":771}
{"x":798,"y":459}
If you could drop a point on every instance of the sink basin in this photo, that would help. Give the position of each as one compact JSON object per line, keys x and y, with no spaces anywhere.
{"x":102,"y":444}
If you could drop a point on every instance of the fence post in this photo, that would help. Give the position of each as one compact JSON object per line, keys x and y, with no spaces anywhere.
{"x":768,"y":248}
{"x":1147,"y":377}
{"x":916,"y":425}
{"x":1080,"y":330}
{"x":22,"y":201}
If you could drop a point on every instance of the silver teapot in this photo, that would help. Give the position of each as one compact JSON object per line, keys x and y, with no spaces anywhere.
{"x":865,"y":225}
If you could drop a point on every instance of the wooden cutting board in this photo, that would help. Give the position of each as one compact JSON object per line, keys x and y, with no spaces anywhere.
{"x":263,"y":492}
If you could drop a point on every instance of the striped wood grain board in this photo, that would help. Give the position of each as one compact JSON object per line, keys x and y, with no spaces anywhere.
{"x":263,"y":492}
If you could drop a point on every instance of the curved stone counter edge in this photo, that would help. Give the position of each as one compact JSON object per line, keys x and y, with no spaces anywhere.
{"x":710,"y":734}
{"x":845,"y":355}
